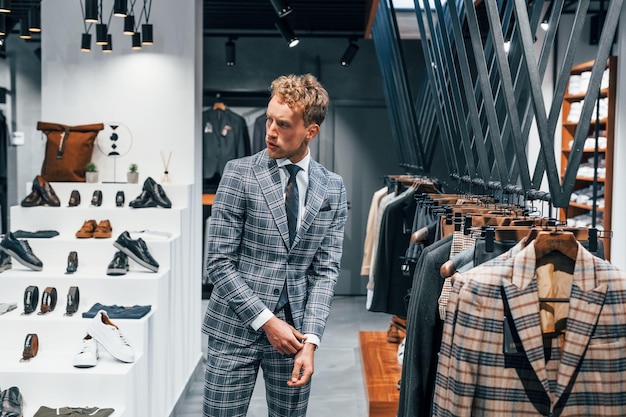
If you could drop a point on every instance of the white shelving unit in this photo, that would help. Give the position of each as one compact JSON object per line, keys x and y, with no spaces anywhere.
{"x":166,"y":341}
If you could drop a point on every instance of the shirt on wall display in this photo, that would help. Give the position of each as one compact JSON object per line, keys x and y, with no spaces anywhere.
{"x":224,"y":137}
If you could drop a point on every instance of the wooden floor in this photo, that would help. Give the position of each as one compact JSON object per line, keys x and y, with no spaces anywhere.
{"x":381,"y":372}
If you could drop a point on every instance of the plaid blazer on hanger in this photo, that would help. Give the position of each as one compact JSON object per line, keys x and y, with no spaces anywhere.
{"x":586,"y":376}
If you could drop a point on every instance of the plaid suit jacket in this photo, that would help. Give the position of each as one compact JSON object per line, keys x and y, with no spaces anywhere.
{"x":249,"y":256}
{"x":586,"y":376}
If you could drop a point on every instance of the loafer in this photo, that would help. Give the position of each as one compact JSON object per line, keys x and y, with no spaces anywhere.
{"x":119,"y":264}
{"x":72,"y":262}
{"x":157,"y":193}
{"x":32,"y":200}
{"x":109,"y":336}
{"x":20,"y":250}
{"x":88,"y":355}
{"x":137,"y":250}
{"x":144,"y":200}
{"x":103,"y":230}
{"x":74,"y":199}
{"x":119,"y":199}
{"x":44,"y":189}
{"x":86,"y":231}
{"x":5,"y":261}
{"x":96,"y":198}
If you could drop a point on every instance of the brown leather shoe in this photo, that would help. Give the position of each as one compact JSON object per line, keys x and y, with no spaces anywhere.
{"x":44,"y":188}
{"x":103,"y":230}
{"x":87,"y":230}
{"x":32,"y":200}
{"x":393,"y":334}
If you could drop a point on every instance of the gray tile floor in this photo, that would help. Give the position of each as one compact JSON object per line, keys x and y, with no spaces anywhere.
{"x":338,"y":384}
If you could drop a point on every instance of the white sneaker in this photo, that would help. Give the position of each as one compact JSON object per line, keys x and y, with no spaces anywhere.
{"x":88,"y":356}
{"x":110,"y":337}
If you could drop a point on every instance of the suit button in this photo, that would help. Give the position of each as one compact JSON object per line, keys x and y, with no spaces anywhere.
{"x":276,"y":291}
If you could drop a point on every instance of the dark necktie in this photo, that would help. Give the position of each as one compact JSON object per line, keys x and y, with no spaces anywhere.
{"x":292,"y":204}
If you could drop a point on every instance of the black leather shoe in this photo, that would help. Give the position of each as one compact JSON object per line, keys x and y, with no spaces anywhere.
{"x":137,"y":251}
{"x":20,"y":250}
{"x":157,"y":193}
{"x":44,"y":189}
{"x":74,"y":199}
{"x":119,"y":264}
{"x":144,"y":200}
{"x":32,"y":200}
{"x":96,"y":199}
{"x":5,"y":261}
{"x":119,"y":199}
{"x":72,"y":262}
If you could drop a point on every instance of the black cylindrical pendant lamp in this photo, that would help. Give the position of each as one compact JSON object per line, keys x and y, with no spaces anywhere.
{"x":136,"y":40}
{"x":109,"y":46}
{"x":91,"y":11}
{"x":5,"y":6}
{"x":129,"y":25}
{"x":34,"y":20}
{"x":146,"y":34}
{"x":120,"y":8}
{"x":3,"y":25}
{"x":24,"y":32}
{"x":85,"y":44}
{"x":101,"y":34}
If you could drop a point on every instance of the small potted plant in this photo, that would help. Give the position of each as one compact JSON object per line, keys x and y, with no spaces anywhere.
{"x":92,"y":173}
{"x":132,"y":176}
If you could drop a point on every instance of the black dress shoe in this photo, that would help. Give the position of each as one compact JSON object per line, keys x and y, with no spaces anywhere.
{"x":157,"y":193}
{"x":96,"y":199}
{"x":119,"y":199}
{"x":119,"y":264}
{"x":44,"y":189}
{"x":136,"y":250}
{"x":72,"y":262}
{"x":32,"y":200}
{"x":144,"y":200}
{"x":74,"y":199}
{"x":5,"y":261}
{"x":20,"y":250}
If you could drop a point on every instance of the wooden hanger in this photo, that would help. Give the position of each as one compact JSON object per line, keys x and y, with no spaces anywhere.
{"x":559,"y":241}
{"x":420,"y":235}
{"x":218,"y":105}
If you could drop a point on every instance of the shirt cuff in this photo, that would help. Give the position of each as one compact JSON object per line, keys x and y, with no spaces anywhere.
{"x":261,"y":319}
{"x":311,"y":338}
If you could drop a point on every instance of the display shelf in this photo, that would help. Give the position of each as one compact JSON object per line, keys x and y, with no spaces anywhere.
{"x":607,"y":124}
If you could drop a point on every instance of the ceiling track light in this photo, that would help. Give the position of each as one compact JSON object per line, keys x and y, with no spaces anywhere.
{"x":24,"y":32}
{"x":146,"y":34}
{"x":230,"y":52}
{"x":282,"y":7}
{"x":348,"y":55}
{"x":85,"y":43}
{"x":101,"y":34}
{"x":109,"y":45}
{"x":136,"y":41}
{"x":91,"y":11}
{"x":120,"y":8}
{"x":34,"y":20}
{"x":5,"y":6}
{"x":287,"y":32}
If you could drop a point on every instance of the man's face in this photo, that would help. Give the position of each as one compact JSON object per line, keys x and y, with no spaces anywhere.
{"x":286,"y":136}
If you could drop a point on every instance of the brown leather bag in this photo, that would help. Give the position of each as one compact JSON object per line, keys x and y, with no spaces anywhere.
{"x":68,"y":150}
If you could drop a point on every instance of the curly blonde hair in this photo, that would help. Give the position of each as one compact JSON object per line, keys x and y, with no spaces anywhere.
{"x":304,"y":93}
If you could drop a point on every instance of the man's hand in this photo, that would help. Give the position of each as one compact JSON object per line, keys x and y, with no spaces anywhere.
{"x":284,"y":337}
{"x":302,"y":366}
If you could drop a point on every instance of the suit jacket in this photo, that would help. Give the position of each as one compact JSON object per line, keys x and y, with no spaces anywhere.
{"x":248,"y":253}
{"x":225,"y":136}
{"x":584,"y":376}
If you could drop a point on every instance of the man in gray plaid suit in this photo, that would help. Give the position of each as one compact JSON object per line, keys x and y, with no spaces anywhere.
{"x":253,"y":265}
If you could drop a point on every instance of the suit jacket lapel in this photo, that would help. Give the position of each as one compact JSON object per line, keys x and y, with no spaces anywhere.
{"x":266,"y":171}
{"x":316,"y":194}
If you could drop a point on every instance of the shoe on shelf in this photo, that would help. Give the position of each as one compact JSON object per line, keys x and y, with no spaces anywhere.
{"x":72,"y":262}
{"x":103,"y":230}
{"x":137,"y":250}
{"x":96,"y":198}
{"x":143,"y":200}
{"x":44,"y":189}
{"x":87,"y":229}
{"x":74,"y":199}
{"x":5,"y":261}
{"x":157,"y":193}
{"x":119,"y":264}
{"x":110,"y":337}
{"x":88,"y":355}
{"x":119,"y":199}
{"x":32,"y":200}
{"x":20,"y":250}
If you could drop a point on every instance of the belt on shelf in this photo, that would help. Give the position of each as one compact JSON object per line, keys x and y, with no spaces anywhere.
{"x":73,"y":298}
{"x":31,"y":299}
{"x":48,"y":300}
{"x":31,"y":347}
